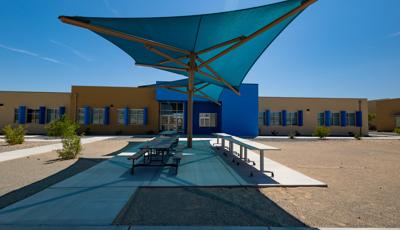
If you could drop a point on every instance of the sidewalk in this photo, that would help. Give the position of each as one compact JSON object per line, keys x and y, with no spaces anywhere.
{"x":11,"y":155}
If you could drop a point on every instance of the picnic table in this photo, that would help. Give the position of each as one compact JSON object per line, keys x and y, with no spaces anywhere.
{"x":245,"y":144}
{"x":154,"y":149}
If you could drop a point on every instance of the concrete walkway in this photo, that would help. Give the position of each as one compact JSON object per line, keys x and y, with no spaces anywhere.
{"x":15,"y":154}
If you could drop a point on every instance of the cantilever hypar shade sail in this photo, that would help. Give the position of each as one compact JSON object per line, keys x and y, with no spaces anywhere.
{"x":215,"y":51}
{"x":224,"y":45}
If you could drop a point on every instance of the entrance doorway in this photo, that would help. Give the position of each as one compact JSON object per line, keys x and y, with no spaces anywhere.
{"x":172,"y":116}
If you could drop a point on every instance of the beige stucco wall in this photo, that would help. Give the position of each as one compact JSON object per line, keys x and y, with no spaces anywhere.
{"x":32,"y":100}
{"x":385,"y":111}
{"x":117,"y":98}
{"x":311,"y":107}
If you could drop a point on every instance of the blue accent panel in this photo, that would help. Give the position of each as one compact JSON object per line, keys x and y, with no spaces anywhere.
{"x":343,"y":118}
{"x":61,"y":111}
{"x":106,"y":115}
{"x":284,"y":117}
{"x":145,"y":116}
{"x":300,"y":117}
{"x":239,"y":114}
{"x":327,"y":118}
{"x":21,"y":114}
{"x":163,"y":94}
{"x":267,"y":118}
{"x":205,"y":107}
{"x":126,"y":116}
{"x":358,"y":118}
{"x":42,"y":115}
{"x":86,"y":113}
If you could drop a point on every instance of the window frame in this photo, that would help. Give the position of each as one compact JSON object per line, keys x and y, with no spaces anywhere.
{"x":97,"y":116}
{"x":208,"y":120}
{"x":276,"y":118}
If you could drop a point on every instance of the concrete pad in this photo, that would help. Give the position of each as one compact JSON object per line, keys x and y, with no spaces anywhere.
{"x":283,"y":175}
{"x":68,"y":206}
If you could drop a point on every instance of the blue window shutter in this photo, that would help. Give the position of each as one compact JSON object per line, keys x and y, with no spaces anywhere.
{"x":300,"y":117}
{"x":61,"y":111}
{"x":86,"y":115}
{"x":106,"y":115}
{"x":267,"y":118}
{"x":126,"y":116}
{"x":343,"y":118}
{"x":283,"y":117}
{"x":327,"y":118}
{"x":22,"y":114}
{"x":42,"y":115}
{"x":145,"y":115}
{"x":358,"y":118}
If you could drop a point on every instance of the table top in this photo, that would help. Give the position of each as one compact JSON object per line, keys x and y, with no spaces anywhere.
{"x":251,"y":144}
{"x":159,"y":143}
{"x":221,"y":134}
{"x":168,"y":132}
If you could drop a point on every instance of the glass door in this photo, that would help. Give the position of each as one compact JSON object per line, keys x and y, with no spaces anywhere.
{"x":171,"y":116}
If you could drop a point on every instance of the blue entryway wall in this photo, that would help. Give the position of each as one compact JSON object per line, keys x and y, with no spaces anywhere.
{"x":237,"y":115}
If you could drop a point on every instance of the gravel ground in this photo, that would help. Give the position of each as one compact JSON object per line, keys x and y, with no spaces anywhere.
{"x":4,"y":147}
{"x":23,"y":177}
{"x":363,"y":180}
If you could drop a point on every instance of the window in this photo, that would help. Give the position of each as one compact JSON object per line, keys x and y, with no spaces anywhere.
{"x":321,"y":119}
{"x":335,"y":119}
{"x":52,"y":114}
{"x":16,"y":115}
{"x":276,"y":118}
{"x":292,"y":118}
{"x":32,"y":116}
{"x":351,"y":119}
{"x":208,"y":120}
{"x":121,"y":115}
{"x":397,"y":121}
{"x":136,"y":116}
{"x":81,"y":116}
{"x":261,"y":118}
{"x":97,"y":117}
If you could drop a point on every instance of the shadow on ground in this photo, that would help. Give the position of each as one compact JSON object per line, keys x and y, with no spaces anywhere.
{"x":80,"y":165}
{"x":201,"y":206}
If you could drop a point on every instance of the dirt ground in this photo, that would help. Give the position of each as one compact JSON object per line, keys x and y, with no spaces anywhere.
{"x":363,"y":180}
{"x":23,"y":177}
{"x":4,"y":147}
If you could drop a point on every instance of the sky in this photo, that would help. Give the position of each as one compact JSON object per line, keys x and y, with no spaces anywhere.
{"x":335,"y":48}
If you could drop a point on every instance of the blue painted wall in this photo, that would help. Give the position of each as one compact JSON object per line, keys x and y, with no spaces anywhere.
{"x":239,"y":114}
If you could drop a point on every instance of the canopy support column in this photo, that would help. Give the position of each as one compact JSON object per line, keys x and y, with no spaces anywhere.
{"x":192,"y":69}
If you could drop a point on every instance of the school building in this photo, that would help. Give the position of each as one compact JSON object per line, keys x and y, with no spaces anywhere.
{"x":387,"y":114}
{"x":150,"y":109}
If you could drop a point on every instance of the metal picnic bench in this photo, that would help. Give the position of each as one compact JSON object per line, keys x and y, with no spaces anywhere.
{"x":245,"y":144}
{"x":151,"y":150}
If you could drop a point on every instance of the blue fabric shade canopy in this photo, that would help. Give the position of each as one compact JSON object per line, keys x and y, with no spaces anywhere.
{"x":224,"y":45}
{"x":215,"y":51}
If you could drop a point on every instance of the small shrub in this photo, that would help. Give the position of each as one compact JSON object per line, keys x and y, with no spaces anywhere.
{"x":274,"y":133}
{"x":14,"y":136}
{"x":118,"y":132}
{"x":71,"y":147}
{"x":62,"y":127}
{"x":397,"y":130}
{"x":292,"y":134}
{"x":357,"y":136}
{"x":351,"y":134}
{"x":321,"y":132}
{"x":297,"y":133}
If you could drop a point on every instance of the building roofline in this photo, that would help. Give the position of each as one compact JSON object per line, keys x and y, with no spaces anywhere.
{"x":340,"y":98}
{"x":14,"y":91}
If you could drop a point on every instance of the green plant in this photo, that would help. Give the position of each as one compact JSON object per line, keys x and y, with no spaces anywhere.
{"x":14,"y":135}
{"x":357,"y":136}
{"x":321,"y":132}
{"x":292,"y":134}
{"x":62,"y":127}
{"x":71,"y":147}
{"x":397,"y":130}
